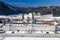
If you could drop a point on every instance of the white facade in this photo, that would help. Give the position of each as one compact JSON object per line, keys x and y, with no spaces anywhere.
{"x":26,"y":27}
{"x":48,"y":16}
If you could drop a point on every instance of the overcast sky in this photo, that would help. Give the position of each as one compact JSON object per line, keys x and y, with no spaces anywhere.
{"x":33,"y":3}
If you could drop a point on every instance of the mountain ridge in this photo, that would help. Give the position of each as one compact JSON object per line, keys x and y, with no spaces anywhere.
{"x":7,"y":9}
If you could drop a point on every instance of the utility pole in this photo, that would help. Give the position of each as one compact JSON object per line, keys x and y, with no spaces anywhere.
{"x":22,"y":16}
{"x":33,"y":22}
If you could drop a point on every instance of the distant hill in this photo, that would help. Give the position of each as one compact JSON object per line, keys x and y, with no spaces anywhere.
{"x":6,"y":9}
{"x":55,"y":10}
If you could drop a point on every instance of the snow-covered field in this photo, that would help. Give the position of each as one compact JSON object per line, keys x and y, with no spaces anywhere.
{"x":30,"y":38}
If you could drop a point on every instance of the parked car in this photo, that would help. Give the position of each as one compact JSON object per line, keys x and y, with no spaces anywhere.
{"x":2,"y":31}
